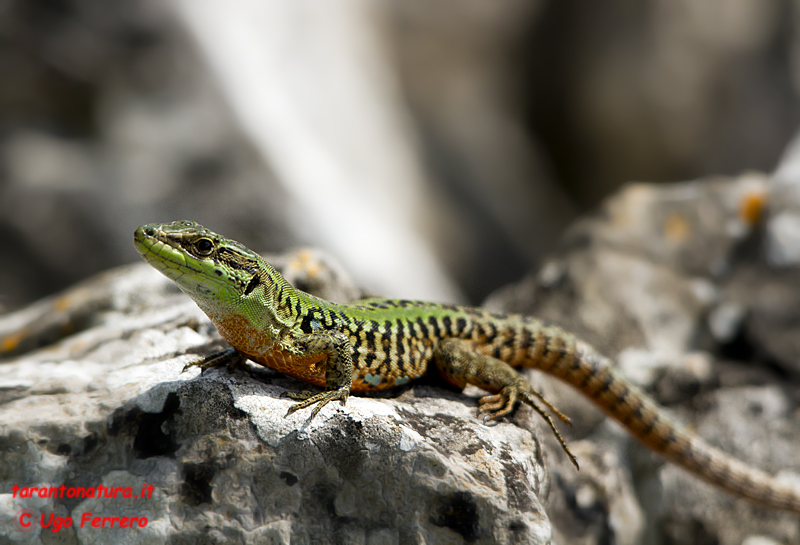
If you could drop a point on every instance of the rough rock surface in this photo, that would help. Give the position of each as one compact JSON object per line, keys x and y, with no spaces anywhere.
{"x":675,"y":282}
{"x":110,"y":405}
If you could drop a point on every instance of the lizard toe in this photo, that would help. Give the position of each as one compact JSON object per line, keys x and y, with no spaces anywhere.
{"x":230,"y":357}
{"x":319,"y":400}
{"x":498,"y":405}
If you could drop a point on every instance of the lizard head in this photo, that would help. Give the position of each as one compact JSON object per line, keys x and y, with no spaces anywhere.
{"x":213,"y":270}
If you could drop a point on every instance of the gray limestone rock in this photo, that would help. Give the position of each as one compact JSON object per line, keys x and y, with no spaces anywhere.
{"x":671,"y":281}
{"x":110,"y":406}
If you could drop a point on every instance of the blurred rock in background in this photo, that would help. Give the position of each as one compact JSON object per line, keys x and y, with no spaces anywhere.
{"x":438,"y":149}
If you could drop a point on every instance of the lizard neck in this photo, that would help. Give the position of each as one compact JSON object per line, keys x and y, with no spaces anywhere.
{"x":241,"y":293}
{"x":257,"y":317}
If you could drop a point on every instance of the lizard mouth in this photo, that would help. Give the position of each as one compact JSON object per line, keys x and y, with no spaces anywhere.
{"x":203,"y":264}
{"x":170,"y":249}
{"x":164,"y":254}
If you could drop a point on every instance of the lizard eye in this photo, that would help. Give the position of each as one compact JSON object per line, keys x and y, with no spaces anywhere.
{"x":204,"y":246}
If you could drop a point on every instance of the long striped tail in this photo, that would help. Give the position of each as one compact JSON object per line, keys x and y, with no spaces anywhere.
{"x":580,"y":366}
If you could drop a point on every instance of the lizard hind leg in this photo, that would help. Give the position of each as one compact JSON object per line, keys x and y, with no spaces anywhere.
{"x":460,"y":364}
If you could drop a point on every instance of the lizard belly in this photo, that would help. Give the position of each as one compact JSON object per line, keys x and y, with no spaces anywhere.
{"x":303,"y":367}
{"x":259,"y":346}
{"x":311,"y":369}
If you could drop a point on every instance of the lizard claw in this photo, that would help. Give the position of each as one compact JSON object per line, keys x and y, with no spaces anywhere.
{"x":488,"y":420}
{"x":498,"y":405}
{"x":503,"y":402}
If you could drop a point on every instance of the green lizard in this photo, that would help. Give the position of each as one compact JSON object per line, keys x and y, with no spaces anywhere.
{"x":375,"y":344}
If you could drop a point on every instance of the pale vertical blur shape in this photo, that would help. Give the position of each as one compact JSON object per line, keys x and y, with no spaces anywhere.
{"x":308,"y":81}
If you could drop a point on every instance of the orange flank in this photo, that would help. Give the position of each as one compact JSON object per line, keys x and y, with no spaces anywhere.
{"x":308,"y":368}
{"x":251,"y":341}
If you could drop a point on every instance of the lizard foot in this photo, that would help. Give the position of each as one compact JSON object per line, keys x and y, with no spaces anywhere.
{"x":320,"y":399}
{"x":500,"y":404}
{"x":230,"y":357}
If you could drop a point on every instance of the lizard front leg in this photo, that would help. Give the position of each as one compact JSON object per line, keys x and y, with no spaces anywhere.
{"x":230,"y":357}
{"x":338,"y":370}
{"x":460,"y":363}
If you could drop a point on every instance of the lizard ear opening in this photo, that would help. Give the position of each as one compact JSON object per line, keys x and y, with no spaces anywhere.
{"x":252,"y":285}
